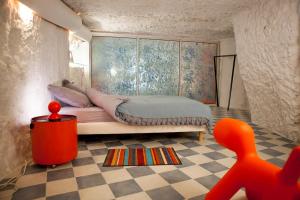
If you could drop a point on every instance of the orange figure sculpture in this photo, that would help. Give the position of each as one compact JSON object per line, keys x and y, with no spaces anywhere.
{"x":261,"y":180}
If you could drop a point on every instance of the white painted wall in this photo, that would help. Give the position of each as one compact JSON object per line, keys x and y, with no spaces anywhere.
{"x":267,"y":41}
{"x":80,"y":62}
{"x":238,"y":95}
{"x":32,"y":55}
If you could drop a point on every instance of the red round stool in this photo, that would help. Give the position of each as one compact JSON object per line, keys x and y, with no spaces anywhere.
{"x":54,"y":137}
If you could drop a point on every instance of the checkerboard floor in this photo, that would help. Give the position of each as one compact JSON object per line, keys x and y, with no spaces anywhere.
{"x":203,"y":166}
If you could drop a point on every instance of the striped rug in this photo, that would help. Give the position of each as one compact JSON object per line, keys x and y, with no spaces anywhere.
{"x":141,"y":157}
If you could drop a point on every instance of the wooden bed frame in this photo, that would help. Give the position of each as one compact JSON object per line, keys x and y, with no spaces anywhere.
{"x":120,"y":128}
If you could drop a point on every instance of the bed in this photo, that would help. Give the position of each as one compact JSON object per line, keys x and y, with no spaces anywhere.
{"x":100,"y":113}
{"x":95,"y":120}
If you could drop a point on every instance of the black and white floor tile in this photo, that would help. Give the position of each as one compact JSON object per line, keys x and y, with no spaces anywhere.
{"x":202,"y":166}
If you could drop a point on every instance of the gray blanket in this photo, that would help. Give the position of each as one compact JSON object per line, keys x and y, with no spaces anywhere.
{"x":161,"y":110}
{"x":153,"y":110}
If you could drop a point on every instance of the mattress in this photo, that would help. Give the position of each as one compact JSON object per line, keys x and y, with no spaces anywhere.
{"x":89,"y":114}
{"x":163,"y":110}
{"x":152,"y":110}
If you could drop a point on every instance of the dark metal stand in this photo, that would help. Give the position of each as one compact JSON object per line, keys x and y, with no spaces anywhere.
{"x":232,"y":74}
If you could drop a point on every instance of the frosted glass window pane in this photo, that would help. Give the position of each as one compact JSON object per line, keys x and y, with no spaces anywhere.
{"x":158,"y":67}
{"x":197,"y":71}
{"x":114,"y":65}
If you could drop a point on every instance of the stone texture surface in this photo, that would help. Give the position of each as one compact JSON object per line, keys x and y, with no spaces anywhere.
{"x":267,"y":41}
{"x":32,"y":55}
{"x":205,"y":19}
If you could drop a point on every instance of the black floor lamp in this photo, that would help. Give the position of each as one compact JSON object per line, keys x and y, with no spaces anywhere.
{"x":232,"y":74}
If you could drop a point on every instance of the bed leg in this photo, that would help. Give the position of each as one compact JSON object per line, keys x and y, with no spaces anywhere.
{"x":201,"y":137}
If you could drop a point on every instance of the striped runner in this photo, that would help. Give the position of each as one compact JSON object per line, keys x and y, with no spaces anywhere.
{"x":141,"y":157}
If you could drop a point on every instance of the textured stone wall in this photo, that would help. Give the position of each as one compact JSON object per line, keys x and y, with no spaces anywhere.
{"x":32,"y":55}
{"x":201,"y":20}
{"x":267,"y":41}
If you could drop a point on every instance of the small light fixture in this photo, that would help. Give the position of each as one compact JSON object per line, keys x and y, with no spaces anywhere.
{"x":25,"y":13}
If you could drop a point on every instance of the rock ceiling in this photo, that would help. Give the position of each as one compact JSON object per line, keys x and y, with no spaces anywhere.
{"x":203,"y":19}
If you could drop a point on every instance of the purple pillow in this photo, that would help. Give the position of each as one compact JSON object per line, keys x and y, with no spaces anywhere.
{"x":70,"y":96}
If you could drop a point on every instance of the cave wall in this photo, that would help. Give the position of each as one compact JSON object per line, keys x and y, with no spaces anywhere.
{"x":267,"y":43}
{"x":33,"y":54}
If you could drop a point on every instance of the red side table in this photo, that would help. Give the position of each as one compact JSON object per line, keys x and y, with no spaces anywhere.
{"x":54,"y":137}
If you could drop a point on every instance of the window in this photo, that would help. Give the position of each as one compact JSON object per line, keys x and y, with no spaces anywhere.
{"x":79,"y":61}
{"x":131,"y":66}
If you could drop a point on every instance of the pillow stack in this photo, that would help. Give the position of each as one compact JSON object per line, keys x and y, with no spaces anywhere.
{"x":70,"y":94}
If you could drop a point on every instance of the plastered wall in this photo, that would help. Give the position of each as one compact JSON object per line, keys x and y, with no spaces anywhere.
{"x":78,"y":77}
{"x":238,"y":95}
{"x":32,"y":55}
{"x":202,"y":20}
{"x":79,"y":62}
{"x":267,"y":42}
